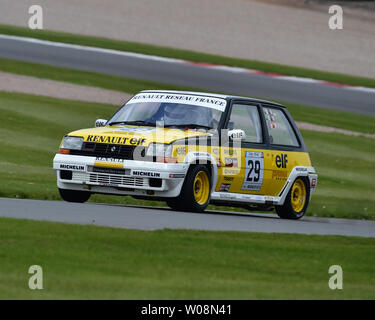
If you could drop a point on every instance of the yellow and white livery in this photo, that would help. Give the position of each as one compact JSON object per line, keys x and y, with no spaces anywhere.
{"x":191,"y":149}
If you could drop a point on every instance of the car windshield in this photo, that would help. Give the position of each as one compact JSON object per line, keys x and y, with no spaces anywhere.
{"x":173,"y":114}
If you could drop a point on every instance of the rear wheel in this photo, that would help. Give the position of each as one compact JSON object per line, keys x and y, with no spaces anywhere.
{"x":196,"y":191}
{"x":74,"y":196}
{"x":296,"y":201}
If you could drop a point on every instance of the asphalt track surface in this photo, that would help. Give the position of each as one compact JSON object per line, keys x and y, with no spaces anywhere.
{"x":146,"y":218}
{"x":133,"y":66}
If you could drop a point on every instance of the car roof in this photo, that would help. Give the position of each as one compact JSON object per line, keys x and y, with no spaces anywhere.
{"x":215,"y":95}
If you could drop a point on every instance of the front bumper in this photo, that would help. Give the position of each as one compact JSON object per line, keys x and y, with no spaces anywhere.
{"x":120,"y":177}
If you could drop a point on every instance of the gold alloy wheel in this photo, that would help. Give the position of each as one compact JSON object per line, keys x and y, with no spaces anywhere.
{"x":298,"y":196}
{"x":201,"y":187}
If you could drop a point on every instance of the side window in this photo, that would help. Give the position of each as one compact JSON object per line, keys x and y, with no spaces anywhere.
{"x":246,"y":117}
{"x":279,"y":129}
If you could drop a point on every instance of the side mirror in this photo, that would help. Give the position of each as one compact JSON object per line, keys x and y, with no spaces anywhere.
{"x":237,"y":134}
{"x":100,"y":123}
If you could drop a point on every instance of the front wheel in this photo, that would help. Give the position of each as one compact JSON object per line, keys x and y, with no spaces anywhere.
{"x":74,"y":196}
{"x":196,"y":191}
{"x":296,"y":201}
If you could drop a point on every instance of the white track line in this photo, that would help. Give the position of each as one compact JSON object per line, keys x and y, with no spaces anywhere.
{"x":93,"y":49}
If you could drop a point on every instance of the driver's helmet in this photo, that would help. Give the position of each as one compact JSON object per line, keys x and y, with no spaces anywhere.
{"x":174,"y":113}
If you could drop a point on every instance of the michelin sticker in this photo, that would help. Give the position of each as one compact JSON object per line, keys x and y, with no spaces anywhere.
{"x":72,"y":167}
{"x":254,"y":171}
{"x":146,"y":174}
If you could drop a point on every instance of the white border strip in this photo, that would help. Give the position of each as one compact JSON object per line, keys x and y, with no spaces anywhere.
{"x":92,"y":49}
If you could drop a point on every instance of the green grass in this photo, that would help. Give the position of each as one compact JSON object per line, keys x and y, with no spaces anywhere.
{"x":89,"y":262}
{"x":80,"y":77}
{"x":321,"y":116}
{"x":332,"y":118}
{"x":33,"y":126}
{"x":185,"y":55}
{"x":345,"y":166}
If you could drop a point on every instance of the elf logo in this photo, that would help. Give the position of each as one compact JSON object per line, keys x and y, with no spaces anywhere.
{"x":281,"y":160}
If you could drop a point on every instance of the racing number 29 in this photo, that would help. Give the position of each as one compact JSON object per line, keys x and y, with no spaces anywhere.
{"x":253,"y":166}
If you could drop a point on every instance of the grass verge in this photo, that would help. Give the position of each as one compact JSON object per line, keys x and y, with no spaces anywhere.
{"x":89,"y":262}
{"x":33,"y":126}
{"x":321,"y":116}
{"x":80,"y":77}
{"x":185,"y":55}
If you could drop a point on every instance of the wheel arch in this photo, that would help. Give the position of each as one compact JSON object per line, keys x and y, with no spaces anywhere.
{"x":206,"y":159}
{"x":297,"y":172}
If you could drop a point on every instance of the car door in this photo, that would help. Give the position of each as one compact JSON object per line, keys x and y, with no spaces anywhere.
{"x":243,"y":163}
{"x":284,"y":149}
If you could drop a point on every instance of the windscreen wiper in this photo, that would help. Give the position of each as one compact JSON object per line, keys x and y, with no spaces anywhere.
{"x":190,"y":125}
{"x":136,"y":122}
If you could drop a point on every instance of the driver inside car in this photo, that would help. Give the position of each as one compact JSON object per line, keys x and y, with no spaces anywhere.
{"x":177,"y":114}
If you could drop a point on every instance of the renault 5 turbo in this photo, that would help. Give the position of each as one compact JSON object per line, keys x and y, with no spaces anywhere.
{"x":191,"y":149}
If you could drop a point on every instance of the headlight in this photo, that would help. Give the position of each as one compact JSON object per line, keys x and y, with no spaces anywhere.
{"x":72,"y":143}
{"x":159,"y":150}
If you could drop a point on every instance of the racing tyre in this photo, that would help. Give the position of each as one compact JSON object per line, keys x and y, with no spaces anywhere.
{"x":296,"y":201}
{"x":74,"y":196}
{"x":175,"y":204}
{"x":196,"y":191}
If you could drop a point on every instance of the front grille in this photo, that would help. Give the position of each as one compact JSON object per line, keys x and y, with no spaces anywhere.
{"x":108,"y":179}
{"x":110,"y":170}
{"x":104,"y":150}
